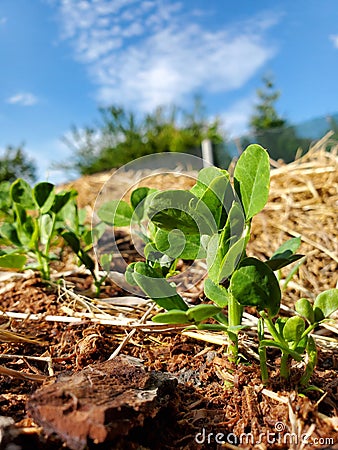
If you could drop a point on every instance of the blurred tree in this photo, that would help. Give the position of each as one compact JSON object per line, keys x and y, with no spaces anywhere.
{"x":271,"y":130}
{"x":14,"y":163}
{"x":121,"y":136}
{"x":265,"y":116}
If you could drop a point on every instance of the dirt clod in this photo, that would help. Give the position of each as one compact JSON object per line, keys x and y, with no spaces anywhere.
{"x":103,"y":402}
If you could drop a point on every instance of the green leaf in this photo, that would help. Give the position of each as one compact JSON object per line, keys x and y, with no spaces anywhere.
{"x":129,"y":274}
{"x":74,"y":243}
{"x":61,"y":199}
{"x":26,"y":227}
{"x":151,"y":252}
{"x":9,"y":233}
{"x":325,"y":304}
{"x":96,"y":233}
{"x":67,"y":217}
{"x":252,"y":179}
{"x":218,"y":197}
{"x":301,"y":345}
{"x":216,"y":293}
{"x":202,"y":312}
{"x":287,"y":249}
{"x":138,"y":201}
{"x":87,"y":237}
{"x":279,"y":263}
{"x":21,"y":193}
{"x":86,"y":260}
{"x":46,"y":228}
{"x":255,"y":284}
{"x":177,"y":245}
{"x":157,"y":288}
{"x":269,"y":343}
{"x":231,"y":259}
{"x":214,"y":257}
{"x":205,"y":178}
{"x":105,"y":261}
{"x":172,"y":316}
{"x":285,"y":254}
{"x":304,"y":308}
{"x":222,"y":318}
{"x":13,"y":261}
{"x":178,"y":209}
{"x":293,"y":329}
{"x":72,"y":240}
{"x":221,"y":264}
{"x":44,"y":195}
{"x":116,"y":213}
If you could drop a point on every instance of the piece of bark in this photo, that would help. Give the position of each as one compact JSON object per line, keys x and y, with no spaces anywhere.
{"x":101,"y":402}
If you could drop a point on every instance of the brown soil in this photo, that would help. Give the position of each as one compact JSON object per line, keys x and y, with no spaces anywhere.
{"x":59,"y":391}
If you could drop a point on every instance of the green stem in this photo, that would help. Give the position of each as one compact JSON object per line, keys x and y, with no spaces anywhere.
{"x":43,"y":263}
{"x":284,"y":366}
{"x":262,"y":352}
{"x":312,"y":361}
{"x":272,"y":329}
{"x":235,"y":311}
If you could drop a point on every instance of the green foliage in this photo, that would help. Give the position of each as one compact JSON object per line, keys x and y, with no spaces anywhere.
{"x":292,"y":336}
{"x":14,"y":163}
{"x":252,"y":180}
{"x":255,"y":284}
{"x":122,"y":136}
{"x":35,"y":220}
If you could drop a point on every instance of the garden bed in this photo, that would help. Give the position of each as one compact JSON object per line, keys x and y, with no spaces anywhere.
{"x":64,"y":334}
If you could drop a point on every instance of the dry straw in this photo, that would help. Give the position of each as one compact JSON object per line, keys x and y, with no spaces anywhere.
{"x":304,"y":202}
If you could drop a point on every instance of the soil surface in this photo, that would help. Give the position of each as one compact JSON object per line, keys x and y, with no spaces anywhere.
{"x":182,"y":392}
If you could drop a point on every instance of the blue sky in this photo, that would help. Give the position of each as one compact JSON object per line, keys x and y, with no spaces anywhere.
{"x":61,"y":59}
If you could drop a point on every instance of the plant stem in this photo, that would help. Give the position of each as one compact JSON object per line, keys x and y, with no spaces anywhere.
{"x":272,"y":329}
{"x":235,"y":317}
{"x":262,"y":352}
{"x":312,"y":361}
{"x":284,"y":366}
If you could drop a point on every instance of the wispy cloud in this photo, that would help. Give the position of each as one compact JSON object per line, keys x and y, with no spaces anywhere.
{"x":146,"y":53}
{"x":23,"y":99}
{"x":334,"y":39}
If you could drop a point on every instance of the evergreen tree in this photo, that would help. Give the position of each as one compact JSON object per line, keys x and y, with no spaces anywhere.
{"x":265,"y":116}
{"x":271,"y":130}
{"x":14,"y":163}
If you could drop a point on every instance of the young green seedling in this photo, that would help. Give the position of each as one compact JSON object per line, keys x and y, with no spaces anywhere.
{"x":292,"y":336}
{"x":33,"y":229}
{"x":38,"y":218}
{"x":212,"y":220}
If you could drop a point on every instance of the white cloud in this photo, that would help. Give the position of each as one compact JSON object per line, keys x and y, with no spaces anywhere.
{"x":146,"y":53}
{"x":23,"y":99}
{"x":334,"y":39}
